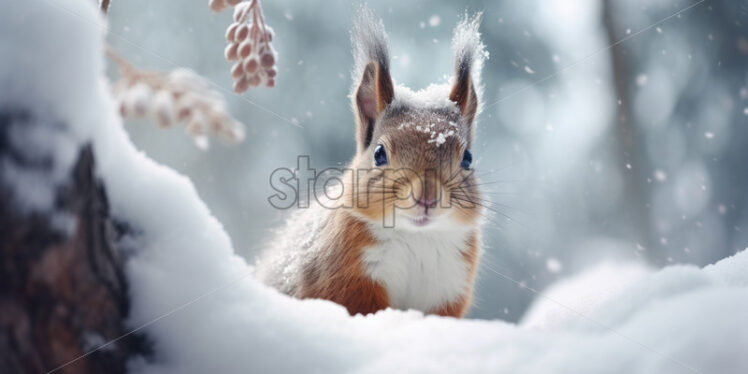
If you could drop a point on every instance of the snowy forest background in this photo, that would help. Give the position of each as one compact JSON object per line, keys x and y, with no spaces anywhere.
{"x":629,"y":153}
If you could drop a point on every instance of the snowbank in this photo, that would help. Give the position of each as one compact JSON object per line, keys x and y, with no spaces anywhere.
{"x":196,"y":301}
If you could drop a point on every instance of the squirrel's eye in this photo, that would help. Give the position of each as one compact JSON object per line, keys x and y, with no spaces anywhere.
{"x":380,"y":156}
{"x":467,"y":159}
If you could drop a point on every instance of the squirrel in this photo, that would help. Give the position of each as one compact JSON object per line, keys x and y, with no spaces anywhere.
{"x":409,"y":233}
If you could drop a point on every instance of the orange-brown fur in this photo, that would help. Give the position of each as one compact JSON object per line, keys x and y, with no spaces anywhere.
{"x":339,"y":276}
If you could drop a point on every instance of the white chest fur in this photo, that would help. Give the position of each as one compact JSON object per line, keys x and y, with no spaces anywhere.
{"x":419,"y":270}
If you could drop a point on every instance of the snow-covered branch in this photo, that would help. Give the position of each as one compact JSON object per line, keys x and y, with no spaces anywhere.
{"x":182,"y":96}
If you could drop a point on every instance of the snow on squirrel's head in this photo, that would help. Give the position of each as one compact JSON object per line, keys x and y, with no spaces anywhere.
{"x":413,"y":157}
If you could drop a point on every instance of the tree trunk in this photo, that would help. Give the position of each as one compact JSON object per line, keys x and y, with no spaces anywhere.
{"x":62,"y":291}
{"x":631,"y":161}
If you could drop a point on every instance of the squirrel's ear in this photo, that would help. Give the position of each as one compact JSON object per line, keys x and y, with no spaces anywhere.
{"x":463,"y":93}
{"x":374,"y":93}
{"x":469,"y":56}
{"x":373,"y":89}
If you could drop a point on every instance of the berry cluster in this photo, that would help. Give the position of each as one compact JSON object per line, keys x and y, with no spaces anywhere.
{"x":249,"y":45}
{"x":181,"y":96}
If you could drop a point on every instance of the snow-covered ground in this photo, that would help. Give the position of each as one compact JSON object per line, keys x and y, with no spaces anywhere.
{"x":194,"y":297}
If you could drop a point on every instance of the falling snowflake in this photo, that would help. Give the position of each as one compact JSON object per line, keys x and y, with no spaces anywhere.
{"x":660,"y":175}
{"x":553,"y":265}
{"x":434,"y":21}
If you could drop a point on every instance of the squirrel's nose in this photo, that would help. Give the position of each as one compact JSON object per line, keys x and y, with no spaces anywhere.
{"x":429,"y":193}
{"x":428,"y":203}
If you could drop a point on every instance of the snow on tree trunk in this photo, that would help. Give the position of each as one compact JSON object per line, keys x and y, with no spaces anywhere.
{"x":62,"y":290}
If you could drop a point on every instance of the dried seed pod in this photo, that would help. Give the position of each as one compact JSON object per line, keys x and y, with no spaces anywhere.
{"x":267,"y":60}
{"x":251,"y":65}
{"x":231,"y":52}
{"x":237,"y":70}
{"x":241,"y":33}
{"x":231,"y":32}
{"x":245,"y":49}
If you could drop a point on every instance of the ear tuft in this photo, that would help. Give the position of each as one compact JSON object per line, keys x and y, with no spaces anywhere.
{"x":372,"y":89}
{"x":369,"y":42}
{"x":469,"y":56}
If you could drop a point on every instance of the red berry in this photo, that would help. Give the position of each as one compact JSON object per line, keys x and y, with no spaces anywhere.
{"x":270,"y":82}
{"x":241,"y":32}
{"x":271,"y":72}
{"x":245,"y":49}
{"x":254,"y":80}
{"x":231,"y":52}
{"x":251,"y":65}
{"x":237,"y":70}
{"x":241,"y":85}
{"x":267,"y":60}
{"x":231,"y":32}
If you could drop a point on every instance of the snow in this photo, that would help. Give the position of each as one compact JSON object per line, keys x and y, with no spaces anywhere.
{"x":197,"y":302}
{"x":641,"y":80}
{"x":434,"y":20}
{"x":582,"y":293}
{"x":660,"y":175}
{"x":553,"y":265}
